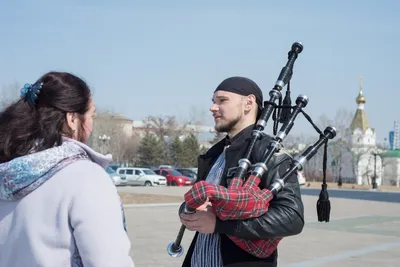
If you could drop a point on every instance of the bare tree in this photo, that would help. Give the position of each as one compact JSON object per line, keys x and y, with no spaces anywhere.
{"x":390,"y":177}
{"x":323,"y":121}
{"x":293,"y":142}
{"x":339,"y":161}
{"x":342,"y":157}
{"x":342,"y":123}
{"x":377,"y":165}
{"x":119,"y":142}
{"x":163,"y":126}
{"x":111,"y":134}
{"x":131,"y":148}
{"x":196,"y":116}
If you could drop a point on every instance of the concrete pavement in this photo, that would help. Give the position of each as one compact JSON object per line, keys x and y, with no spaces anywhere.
{"x":360,"y":233}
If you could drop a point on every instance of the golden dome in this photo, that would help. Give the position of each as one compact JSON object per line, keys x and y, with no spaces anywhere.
{"x":360,"y":98}
{"x":360,"y":120}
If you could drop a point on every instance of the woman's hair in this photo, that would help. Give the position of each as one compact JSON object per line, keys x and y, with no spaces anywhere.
{"x":26,"y":127}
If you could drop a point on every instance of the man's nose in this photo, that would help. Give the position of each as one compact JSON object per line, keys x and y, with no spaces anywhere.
{"x":214,"y":108}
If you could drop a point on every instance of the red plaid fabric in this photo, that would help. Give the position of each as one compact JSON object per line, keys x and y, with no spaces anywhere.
{"x":259,"y":248}
{"x":237,"y":202}
{"x":234,"y":203}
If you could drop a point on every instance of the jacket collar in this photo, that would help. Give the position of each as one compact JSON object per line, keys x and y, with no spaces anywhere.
{"x":239,"y":137}
{"x":233,"y":143}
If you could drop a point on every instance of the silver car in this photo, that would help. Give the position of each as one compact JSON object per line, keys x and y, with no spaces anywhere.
{"x":117,"y":179}
{"x":141,"y":176}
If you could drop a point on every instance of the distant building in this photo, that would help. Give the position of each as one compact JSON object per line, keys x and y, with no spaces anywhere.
{"x":394,"y":136}
{"x":107,"y":126}
{"x":363,"y":145}
{"x":391,"y":139}
{"x":113,"y":121}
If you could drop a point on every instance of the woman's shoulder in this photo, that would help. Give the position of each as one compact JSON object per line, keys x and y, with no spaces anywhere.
{"x":85,"y":172}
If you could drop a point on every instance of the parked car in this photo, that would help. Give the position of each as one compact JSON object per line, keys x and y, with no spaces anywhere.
{"x":151,"y":167}
{"x":165,"y":167}
{"x":117,"y":179}
{"x":174,"y":178}
{"x":141,"y":176}
{"x":301,"y":177}
{"x":114,"y":166}
{"x":188,"y":172}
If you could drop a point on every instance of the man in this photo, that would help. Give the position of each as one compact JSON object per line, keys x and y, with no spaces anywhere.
{"x":237,"y":103}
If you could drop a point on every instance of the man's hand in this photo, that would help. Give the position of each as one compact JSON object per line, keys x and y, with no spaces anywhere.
{"x":203,"y":220}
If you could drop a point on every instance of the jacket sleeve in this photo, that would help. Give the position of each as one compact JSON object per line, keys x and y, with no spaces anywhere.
{"x":96,"y":219}
{"x":285,"y":216}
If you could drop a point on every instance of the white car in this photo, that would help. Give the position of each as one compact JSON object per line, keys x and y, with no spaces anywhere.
{"x":117,"y":179}
{"x":141,"y":176}
{"x":301,"y":177}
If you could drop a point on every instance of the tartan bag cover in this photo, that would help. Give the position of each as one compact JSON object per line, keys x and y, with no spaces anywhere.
{"x":239,"y":201}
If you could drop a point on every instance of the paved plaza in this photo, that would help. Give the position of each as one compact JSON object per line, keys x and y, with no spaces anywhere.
{"x":360,"y":233}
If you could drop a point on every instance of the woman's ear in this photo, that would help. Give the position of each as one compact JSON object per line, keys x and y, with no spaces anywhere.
{"x":72,"y":121}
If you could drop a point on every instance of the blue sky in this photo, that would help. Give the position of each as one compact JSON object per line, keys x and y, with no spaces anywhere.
{"x":166,"y":57}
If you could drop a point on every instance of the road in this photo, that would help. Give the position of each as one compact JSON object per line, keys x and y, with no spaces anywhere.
{"x":380,"y":196}
{"x":393,"y":197}
{"x":359,"y":234}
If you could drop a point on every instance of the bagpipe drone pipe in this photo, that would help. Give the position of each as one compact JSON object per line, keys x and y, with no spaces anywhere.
{"x":243,"y":198}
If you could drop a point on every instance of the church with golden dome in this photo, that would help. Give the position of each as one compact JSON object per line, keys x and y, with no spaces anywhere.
{"x":366,"y":160}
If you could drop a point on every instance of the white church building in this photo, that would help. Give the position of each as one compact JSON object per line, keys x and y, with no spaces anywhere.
{"x":369,"y":160}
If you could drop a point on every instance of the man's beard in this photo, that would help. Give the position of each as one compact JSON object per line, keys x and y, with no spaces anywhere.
{"x":228,"y":126}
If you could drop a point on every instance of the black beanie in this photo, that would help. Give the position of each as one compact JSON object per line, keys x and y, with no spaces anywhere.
{"x":242,"y":86}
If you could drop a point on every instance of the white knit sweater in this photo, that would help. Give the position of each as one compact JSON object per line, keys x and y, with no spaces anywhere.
{"x":77,"y":209}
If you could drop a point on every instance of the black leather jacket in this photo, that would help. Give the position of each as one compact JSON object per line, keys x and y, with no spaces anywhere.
{"x":285,"y":216}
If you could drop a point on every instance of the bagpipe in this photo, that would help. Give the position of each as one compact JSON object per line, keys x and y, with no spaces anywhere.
{"x":243,"y":198}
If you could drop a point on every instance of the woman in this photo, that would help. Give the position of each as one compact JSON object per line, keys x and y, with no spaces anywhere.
{"x":58,"y":206}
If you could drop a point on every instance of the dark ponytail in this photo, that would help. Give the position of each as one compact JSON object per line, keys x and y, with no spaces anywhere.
{"x":25,"y":127}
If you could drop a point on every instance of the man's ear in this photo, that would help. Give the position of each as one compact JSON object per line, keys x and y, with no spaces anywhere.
{"x":250,"y":100}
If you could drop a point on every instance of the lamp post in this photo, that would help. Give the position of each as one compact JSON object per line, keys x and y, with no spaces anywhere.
{"x":374,"y":184}
{"x":103,"y":138}
{"x":338,"y":165}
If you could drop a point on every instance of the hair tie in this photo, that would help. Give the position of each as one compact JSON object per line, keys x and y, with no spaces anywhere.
{"x":30,"y":92}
